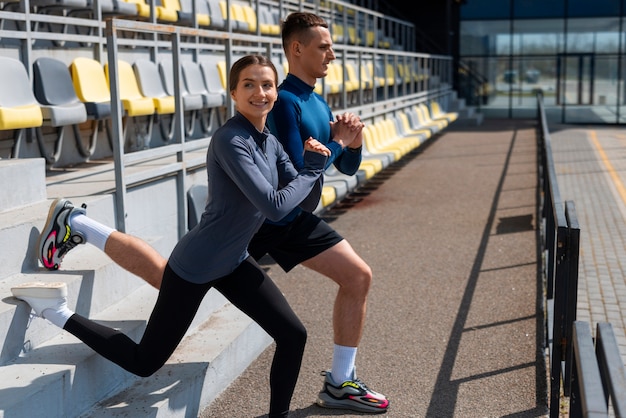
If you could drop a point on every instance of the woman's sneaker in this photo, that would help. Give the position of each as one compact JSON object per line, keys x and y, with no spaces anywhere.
{"x":351,"y":394}
{"x":41,"y":296}
{"x":57,"y":237}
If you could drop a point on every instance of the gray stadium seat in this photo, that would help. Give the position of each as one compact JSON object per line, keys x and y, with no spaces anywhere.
{"x":195,"y":84}
{"x":215,"y":13}
{"x":55,"y":92}
{"x":193,"y":103}
{"x":151,"y":85}
{"x":196,"y":202}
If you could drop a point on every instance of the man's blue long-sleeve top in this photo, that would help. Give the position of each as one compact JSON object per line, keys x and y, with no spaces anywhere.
{"x":300,"y":113}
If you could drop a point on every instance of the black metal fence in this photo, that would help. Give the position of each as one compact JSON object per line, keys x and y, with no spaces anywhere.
{"x":592,"y":379}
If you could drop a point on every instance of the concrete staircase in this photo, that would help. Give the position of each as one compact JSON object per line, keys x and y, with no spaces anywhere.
{"x":468,"y":116}
{"x":47,"y":372}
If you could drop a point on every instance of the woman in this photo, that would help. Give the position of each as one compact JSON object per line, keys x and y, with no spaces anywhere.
{"x":250,"y":178}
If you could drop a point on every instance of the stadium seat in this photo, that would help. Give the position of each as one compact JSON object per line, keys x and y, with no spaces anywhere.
{"x":143,"y":9}
{"x":108,"y":8}
{"x":238,"y":20}
{"x":19,"y":108}
{"x":167,"y":11}
{"x":53,"y":88}
{"x":380,"y":70}
{"x":63,"y":7}
{"x":408,"y":142}
{"x":92,"y":89}
{"x":211,"y":75}
{"x":428,"y":119}
{"x":372,"y":144}
{"x":383,"y":40}
{"x":341,"y":181}
{"x":268,"y":21}
{"x":405,"y":128}
{"x":183,"y":17}
{"x":151,"y":85}
{"x":221,"y":68}
{"x":197,"y":196}
{"x":353,"y":38}
{"x":195,"y":84}
{"x":438,"y":113}
{"x":327,"y":199}
{"x":340,"y":186}
{"x":249,"y":15}
{"x":368,"y":69}
{"x":417,"y":115}
{"x":203,"y":18}
{"x":193,"y":103}
{"x":281,"y":69}
{"x":135,"y":103}
{"x":337,"y":33}
{"x":215,"y":13}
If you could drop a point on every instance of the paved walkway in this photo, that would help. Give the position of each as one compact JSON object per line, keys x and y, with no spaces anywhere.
{"x":455,"y":321}
{"x":591,"y":170}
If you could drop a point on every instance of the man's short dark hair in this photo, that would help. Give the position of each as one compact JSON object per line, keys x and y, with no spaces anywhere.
{"x":297,"y":24}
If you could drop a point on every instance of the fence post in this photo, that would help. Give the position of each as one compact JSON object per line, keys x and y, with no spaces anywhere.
{"x":571,"y":289}
{"x":587,"y":397}
{"x":612,"y":369}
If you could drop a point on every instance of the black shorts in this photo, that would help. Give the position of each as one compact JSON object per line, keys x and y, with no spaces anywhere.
{"x":289,"y":245}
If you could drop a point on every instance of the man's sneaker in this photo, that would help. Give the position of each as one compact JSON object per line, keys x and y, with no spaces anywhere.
{"x":41,"y":296}
{"x":351,"y":394}
{"x":57,"y":236}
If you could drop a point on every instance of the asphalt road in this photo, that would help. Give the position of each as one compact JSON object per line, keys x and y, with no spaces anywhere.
{"x":455,"y":321}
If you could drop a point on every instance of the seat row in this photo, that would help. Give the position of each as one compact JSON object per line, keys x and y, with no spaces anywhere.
{"x":63,"y":96}
{"x":386,"y":142}
{"x":368,"y":78}
{"x":244,"y":16}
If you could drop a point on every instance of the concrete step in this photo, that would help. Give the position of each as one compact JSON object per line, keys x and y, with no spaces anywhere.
{"x":62,"y":377}
{"x":202,"y":367}
{"x":19,"y":190}
{"x":48,"y":372}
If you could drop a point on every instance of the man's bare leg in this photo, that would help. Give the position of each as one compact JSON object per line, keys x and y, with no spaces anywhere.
{"x":343,"y":265}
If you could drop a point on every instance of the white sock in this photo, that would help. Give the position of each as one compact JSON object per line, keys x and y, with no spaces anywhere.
{"x":343,"y":363}
{"x":95,"y":233}
{"x":58,"y":316}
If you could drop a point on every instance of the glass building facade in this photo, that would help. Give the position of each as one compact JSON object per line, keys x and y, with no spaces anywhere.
{"x":573,"y":51}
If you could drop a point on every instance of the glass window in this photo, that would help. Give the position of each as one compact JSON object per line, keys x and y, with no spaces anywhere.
{"x":593,"y":8}
{"x":484,"y":37}
{"x":538,"y":37}
{"x":593,"y":35}
{"x":538,"y":8}
{"x":486,"y":9}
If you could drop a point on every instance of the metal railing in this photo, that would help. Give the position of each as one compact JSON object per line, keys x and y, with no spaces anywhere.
{"x":588,"y":378}
{"x":598,"y":375}
{"x":560,"y":245}
{"x":180,"y":155}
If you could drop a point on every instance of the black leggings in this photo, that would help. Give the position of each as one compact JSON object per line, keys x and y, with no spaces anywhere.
{"x":248,"y":288}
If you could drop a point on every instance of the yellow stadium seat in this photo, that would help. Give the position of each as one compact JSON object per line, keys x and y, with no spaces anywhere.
{"x":135,"y":104}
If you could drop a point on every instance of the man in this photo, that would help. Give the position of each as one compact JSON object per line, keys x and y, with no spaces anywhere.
{"x":303,"y":238}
